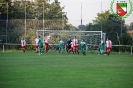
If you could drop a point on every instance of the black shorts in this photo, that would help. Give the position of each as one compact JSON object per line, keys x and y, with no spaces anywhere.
{"x":68,"y":46}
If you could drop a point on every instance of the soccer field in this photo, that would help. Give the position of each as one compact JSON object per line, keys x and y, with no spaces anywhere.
{"x":53,"y":70}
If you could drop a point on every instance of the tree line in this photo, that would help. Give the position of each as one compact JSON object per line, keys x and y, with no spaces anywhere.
{"x":36,"y":12}
{"x":24,"y":15}
{"x":112,"y":26}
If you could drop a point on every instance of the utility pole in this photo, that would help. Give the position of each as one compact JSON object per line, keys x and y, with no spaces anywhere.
{"x":121,"y":26}
{"x":6,"y":20}
{"x":101,"y":16}
{"x":25,"y":18}
{"x":81,"y":13}
{"x":43,"y":20}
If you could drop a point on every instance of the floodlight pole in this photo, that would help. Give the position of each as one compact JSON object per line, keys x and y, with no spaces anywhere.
{"x":25,"y":19}
{"x":121,"y":26}
{"x":43,"y":20}
{"x":101,"y":16}
{"x":7,"y":22}
{"x":63,"y":18}
{"x":81,"y":13}
{"x":6,"y":19}
{"x":118,"y":41}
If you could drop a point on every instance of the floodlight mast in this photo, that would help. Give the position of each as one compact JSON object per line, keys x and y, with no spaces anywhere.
{"x":81,"y":13}
{"x":6,"y":19}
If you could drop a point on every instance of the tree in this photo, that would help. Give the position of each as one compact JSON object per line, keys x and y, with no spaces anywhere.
{"x":89,"y":27}
{"x":70,"y":27}
{"x":126,"y":39}
{"x":131,"y":26}
{"x":101,"y":17}
{"x":19,"y":9}
{"x":3,"y":9}
{"x":110,"y":25}
{"x":82,"y":27}
{"x":55,"y":10}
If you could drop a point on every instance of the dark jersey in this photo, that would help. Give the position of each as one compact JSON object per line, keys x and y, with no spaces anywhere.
{"x":69,"y":42}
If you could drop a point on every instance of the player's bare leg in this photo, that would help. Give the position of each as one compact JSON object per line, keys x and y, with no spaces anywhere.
{"x":74,"y":51}
{"x":23,"y":49}
{"x":108,"y":52}
{"x":77,"y":51}
{"x":36,"y":50}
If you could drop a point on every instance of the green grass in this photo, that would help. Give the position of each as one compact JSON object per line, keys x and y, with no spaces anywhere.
{"x":53,"y":70}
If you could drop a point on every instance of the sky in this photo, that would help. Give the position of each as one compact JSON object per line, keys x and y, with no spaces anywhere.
{"x":89,"y":10}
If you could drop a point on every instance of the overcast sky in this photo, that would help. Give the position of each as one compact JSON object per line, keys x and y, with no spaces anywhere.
{"x":90,"y":8}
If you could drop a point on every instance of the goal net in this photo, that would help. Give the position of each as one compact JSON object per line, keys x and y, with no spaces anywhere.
{"x":92,"y":38}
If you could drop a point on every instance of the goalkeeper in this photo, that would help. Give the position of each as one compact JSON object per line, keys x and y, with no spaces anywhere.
{"x":83,"y":47}
{"x":68,"y":46}
{"x":102,"y":46}
{"x":40,"y":42}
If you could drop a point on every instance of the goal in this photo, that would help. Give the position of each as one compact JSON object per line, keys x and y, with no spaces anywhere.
{"x":92,"y":38}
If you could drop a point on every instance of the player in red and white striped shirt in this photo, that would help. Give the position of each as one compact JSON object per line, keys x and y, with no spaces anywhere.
{"x":47,"y":43}
{"x":23,"y":44}
{"x":75,"y":45}
{"x":36,"y":44}
{"x":108,"y":46}
{"x":71,"y":47}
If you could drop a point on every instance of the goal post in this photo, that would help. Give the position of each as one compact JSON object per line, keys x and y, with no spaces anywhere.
{"x":92,"y":38}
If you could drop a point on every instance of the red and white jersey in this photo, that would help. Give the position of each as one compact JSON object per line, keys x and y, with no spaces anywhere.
{"x":108,"y":43}
{"x":36,"y":41}
{"x":71,"y":44}
{"x":47,"y":39}
{"x":75,"y":42}
{"x":23,"y":42}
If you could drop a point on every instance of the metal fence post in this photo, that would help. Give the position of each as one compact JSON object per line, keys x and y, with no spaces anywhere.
{"x":3,"y":47}
{"x":131,"y":50}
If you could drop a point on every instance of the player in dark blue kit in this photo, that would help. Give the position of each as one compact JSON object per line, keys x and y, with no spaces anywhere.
{"x":68,"y":45}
